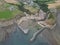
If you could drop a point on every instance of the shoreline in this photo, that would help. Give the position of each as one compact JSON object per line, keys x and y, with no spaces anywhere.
{"x":9,"y":21}
{"x":7,"y":27}
{"x":6,"y":31}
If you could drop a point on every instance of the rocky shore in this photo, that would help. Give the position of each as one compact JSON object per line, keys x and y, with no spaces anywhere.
{"x":7,"y":27}
{"x":9,"y":21}
{"x":6,"y":30}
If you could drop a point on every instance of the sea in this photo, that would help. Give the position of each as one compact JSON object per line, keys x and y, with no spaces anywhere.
{"x":19,"y":38}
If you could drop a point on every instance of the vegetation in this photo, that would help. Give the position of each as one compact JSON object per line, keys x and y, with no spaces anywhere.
{"x":58,"y":7}
{"x":5,"y":14}
{"x":42,"y":4}
{"x":51,"y":19}
{"x":38,"y":27}
{"x":33,"y":10}
{"x":8,"y":11}
{"x":21,"y":7}
{"x":51,"y":16}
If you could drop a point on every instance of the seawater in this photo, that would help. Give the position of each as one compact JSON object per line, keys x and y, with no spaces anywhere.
{"x":19,"y":38}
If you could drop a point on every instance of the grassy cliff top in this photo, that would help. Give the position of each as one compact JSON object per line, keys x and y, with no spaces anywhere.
{"x":8,"y":11}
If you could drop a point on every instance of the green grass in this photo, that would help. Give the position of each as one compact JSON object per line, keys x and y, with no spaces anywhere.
{"x":31,"y":9}
{"x":5,"y":14}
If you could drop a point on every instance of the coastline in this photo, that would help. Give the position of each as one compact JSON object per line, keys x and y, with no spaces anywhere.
{"x":7,"y":27}
{"x":6,"y":31}
{"x":9,"y":21}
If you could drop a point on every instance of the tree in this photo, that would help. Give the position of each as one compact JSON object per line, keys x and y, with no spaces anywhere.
{"x":43,"y":6}
{"x":20,"y":6}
